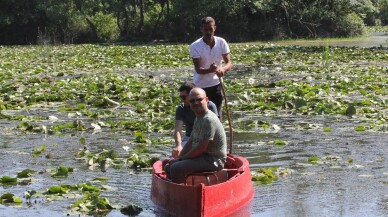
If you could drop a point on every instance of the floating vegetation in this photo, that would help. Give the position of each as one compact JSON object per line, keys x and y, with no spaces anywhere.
{"x":87,"y":187}
{"x":62,"y":172}
{"x":8,"y":180}
{"x":137,"y":162}
{"x":265,"y":176}
{"x":101,"y":179}
{"x":9,"y":198}
{"x":279,"y":142}
{"x":332,"y":161}
{"x":25,"y":173}
{"x":65,"y":189}
{"x":314,"y":159}
{"x":57,"y":190}
{"x":92,"y":203}
{"x":107,"y":158}
{"x":39,"y":150}
{"x":104,"y":159}
{"x":327,"y":129}
{"x":360,"y":128}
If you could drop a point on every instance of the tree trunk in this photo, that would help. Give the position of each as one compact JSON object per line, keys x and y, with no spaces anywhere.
{"x":168,"y":10}
{"x":126,"y":18}
{"x":94,"y":30}
{"x":157,"y":22}
{"x":141,"y":22}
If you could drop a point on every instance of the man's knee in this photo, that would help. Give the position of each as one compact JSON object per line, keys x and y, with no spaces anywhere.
{"x":177,"y":168}
{"x":178,"y":172}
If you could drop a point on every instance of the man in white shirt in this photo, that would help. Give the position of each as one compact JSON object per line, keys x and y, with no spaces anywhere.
{"x":207,"y":53}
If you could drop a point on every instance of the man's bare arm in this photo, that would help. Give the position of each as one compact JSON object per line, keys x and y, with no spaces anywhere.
{"x":221,"y":70}
{"x":200,"y":70}
{"x":178,"y":138}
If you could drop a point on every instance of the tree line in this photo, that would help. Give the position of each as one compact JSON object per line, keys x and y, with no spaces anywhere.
{"x":134,"y":21}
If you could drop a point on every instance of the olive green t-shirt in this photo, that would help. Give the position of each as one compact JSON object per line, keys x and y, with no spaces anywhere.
{"x":210,"y":128}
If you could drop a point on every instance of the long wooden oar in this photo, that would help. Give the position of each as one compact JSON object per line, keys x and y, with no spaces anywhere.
{"x":229,"y":119}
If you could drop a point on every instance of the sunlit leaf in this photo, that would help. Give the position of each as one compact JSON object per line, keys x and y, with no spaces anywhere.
{"x":56,"y":190}
{"x":25,"y":173}
{"x":38,"y":151}
{"x":279,"y":142}
{"x":360,"y":128}
{"x":8,"y":180}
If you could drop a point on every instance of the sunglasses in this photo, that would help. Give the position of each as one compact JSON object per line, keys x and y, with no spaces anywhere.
{"x":196,"y":100}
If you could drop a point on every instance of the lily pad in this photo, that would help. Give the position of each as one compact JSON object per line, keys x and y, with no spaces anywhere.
{"x":8,"y":180}
{"x":9,"y":198}
{"x":25,"y":173}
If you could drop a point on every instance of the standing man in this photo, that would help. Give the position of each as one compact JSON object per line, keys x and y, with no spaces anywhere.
{"x":208,"y":53}
{"x":206,"y":148}
{"x":185,"y":116}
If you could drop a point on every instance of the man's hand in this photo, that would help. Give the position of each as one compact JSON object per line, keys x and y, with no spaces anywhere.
{"x":220,"y":72}
{"x":217,"y":69}
{"x":213,"y":67}
{"x":176,"y":151}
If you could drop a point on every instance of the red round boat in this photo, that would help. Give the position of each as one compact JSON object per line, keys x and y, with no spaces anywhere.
{"x":204,"y":194}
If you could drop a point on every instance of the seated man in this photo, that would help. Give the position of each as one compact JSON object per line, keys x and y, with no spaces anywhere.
{"x":206,"y":149}
{"x":184,"y":115}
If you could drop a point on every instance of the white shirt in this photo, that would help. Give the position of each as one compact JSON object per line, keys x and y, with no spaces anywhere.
{"x":199,"y":49}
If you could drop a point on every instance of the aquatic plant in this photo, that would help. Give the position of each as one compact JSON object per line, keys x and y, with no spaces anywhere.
{"x":9,"y":198}
{"x":62,"y":172}
{"x":8,"y":180}
{"x":265,"y":176}
{"x":25,"y":173}
{"x":92,"y":203}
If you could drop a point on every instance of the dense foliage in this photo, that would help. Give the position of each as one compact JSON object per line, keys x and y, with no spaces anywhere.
{"x":90,"y":21}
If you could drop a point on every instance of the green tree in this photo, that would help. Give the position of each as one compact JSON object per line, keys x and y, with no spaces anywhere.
{"x":106,"y":27}
{"x":57,"y":16}
{"x":230,"y":18}
{"x":89,"y":21}
{"x":296,"y":18}
{"x":19,"y":21}
{"x":383,"y":6}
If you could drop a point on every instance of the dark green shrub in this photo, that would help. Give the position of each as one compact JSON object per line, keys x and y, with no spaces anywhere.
{"x":350,"y":25}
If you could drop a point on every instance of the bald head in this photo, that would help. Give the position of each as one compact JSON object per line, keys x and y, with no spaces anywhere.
{"x":197,"y":91}
{"x":198,"y":101}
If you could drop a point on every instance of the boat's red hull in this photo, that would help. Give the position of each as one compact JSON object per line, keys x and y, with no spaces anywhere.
{"x":200,"y":200}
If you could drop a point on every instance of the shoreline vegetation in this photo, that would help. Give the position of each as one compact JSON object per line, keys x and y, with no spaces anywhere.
{"x":381,"y":30}
{"x":97,"y":21}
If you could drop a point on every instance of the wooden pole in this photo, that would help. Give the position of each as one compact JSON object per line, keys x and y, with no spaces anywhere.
{"x":229,"y":119}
